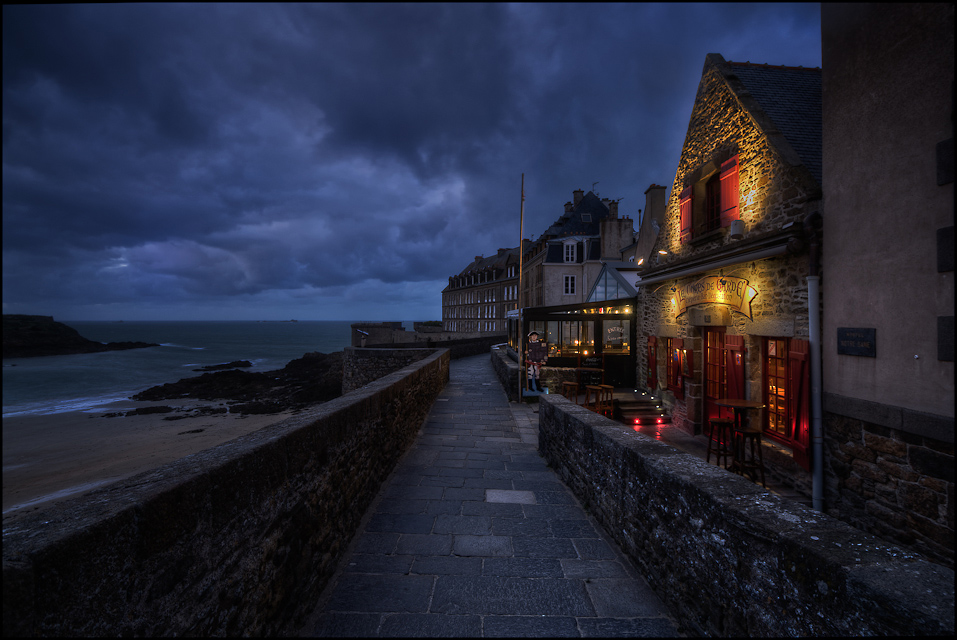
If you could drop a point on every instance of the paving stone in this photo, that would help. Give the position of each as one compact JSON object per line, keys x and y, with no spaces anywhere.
{"x":464,"y":494}
{"x":544,"y":548}
{"x":472,"y":525}
{"x":554,"y":497}
{"x":501,"y":509}
{"x":459,"y":595}
{"x":416,"y":625}
{"x":383,"y":543}
{"x":523,"y":567}
{"x":482,"y":546}
{"x":537,"y":527}
{"x":594,"y":549}
{"x":530,"y":627}
{"x":591,"y":569}
{"x":573,"y":529}
{"x":381,"y":593}
{"x":627,"y":628}
{"x":448,"y":565}
{"x":518,"y":497}
{"x":623,"y":598}
{"x":424,"y":545}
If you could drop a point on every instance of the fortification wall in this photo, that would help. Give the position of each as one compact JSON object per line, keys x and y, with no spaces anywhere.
{"x":236,"y":540}
{"x":729,"y":558}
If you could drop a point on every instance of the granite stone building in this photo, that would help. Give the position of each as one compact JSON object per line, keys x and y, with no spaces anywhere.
{"x":723,"y":265}
{"x":478,"y":297}
{"x":888,"y":321}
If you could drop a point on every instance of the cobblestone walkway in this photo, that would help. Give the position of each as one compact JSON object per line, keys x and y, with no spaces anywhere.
{"x":473,"y":535}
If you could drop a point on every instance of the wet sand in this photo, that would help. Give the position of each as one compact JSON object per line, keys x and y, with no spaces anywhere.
{"x":49,"y":458}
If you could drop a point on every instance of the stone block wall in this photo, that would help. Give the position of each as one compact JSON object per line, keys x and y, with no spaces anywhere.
{"x":237,"y":540}
{"x":458,"y":347}
{"x":729,"y":558}
{"x":362,"y":366}
{"x":890,"y":482}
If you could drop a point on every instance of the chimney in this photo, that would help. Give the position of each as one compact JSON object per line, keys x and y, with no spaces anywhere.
{"x":613,"y":209}
{"x":477,"y":258}
{"x":579,"y":194}
{"x":568,"y":207}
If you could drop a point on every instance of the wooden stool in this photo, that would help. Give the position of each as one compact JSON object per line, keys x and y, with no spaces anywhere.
{"x":592,"y":396}
{"x":720,"y":440}
{"x":740,"y":463}
{"x":570,"y":391}
{"x":606,"y":402}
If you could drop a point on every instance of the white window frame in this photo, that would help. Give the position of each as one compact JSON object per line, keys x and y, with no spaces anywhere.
{"x":572,"y":289}
{"x":570,"y":251}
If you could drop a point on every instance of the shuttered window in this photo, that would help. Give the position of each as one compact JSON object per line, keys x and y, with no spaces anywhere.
{"x":684,"y":204}
{"x":729,"y":191}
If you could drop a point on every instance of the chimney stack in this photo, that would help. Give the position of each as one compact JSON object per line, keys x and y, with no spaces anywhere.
{"x":613,"y":209}
{"x":579,"y":194}
{"x":568,"y":207}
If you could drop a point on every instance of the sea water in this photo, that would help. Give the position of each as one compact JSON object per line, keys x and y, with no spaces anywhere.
{"x":81,"y":382}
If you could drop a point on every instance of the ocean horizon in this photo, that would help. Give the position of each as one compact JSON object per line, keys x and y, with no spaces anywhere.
{"x":82,"y":382}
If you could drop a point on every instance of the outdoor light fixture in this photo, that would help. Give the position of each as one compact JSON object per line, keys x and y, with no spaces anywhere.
{"x":737,"y":229}
{"x":662,"y":252}
{"x":641,"y":262}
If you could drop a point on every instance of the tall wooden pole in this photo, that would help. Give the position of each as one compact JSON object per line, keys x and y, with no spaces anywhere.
{"x":521,"y":328}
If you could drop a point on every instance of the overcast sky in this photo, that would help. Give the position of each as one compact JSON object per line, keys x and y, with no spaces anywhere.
{"x":332,"y":162}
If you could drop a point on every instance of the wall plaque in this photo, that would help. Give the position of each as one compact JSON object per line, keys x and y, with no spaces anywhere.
{"x":857,"y":342}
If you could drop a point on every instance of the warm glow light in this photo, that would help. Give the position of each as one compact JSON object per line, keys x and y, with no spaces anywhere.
{"x":660,"y":420}
{"x":640,"y":262}
{"x":662,"y":252}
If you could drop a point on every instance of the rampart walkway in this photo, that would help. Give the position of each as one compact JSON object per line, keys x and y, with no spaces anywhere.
{"x":473,"y":535}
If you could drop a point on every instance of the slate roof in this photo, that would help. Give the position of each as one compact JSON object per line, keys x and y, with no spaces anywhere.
{"x":572,"y":224}
{"x":791,"y":97}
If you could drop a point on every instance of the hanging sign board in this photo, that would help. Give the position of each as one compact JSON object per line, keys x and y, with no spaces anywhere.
{"x":734,"y":292}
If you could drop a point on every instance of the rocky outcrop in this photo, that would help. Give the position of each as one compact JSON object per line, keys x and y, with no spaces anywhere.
{"x":235,"y":364}
{"x":29,"y":336}
{"x":315,"y":377}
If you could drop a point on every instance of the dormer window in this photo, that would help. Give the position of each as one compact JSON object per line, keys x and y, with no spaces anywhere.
{"x":570,"y":251}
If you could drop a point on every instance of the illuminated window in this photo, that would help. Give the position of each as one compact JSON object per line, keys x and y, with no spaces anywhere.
{"x":786,"y":379}
{"x":711,"y":201}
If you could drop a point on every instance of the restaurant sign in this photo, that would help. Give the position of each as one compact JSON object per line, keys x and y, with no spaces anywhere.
{"x":734,"y":292}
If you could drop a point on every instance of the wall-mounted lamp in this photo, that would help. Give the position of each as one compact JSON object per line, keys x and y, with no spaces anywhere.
{"x":662,"y":252}
{"x":641,"y":262}
{"x":737,"y":229}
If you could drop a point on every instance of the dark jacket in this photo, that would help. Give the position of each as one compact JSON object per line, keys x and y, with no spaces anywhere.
{"x":537,"y":351}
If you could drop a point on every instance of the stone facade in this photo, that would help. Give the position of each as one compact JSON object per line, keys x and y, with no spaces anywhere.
{"x":237,"y":540}
{"x":730,"y":559}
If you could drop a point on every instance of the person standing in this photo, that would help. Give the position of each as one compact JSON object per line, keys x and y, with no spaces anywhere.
{"x":536,"y":355}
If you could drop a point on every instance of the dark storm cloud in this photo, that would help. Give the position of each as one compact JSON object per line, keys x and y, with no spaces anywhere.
{"x":308,"y":157}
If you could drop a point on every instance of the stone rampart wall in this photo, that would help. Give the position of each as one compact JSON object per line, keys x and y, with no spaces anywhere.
{"x":237,"y":540}
{"x":729,"y":558}
{"x":459,"y":348}
{"x":362,"y":366}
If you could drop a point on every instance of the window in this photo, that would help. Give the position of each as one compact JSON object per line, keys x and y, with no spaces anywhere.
{"x":570,"y":251}
{"x":786,"y":379}
{"x":711,"y":202}
{"x":569,"y":285}
{"x":675,"y":347}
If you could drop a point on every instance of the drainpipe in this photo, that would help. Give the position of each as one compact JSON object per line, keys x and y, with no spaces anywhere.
{"x":812,"y":225}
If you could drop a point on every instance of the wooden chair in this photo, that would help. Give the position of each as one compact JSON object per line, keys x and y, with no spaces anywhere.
{"x":592,"y":396}
{"x":570,"y":391}
{"x":607,"y":400}
{"x":720,"y":441}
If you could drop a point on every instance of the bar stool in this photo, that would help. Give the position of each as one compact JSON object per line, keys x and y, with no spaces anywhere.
{"x":570,"y":391}
{"x":592,"y":396}
{"x":740,"y":463}
{"x":606,"y":403}
{"x":720,"y":441}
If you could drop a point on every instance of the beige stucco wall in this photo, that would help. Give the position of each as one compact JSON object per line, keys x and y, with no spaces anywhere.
{"x":888,"y":74}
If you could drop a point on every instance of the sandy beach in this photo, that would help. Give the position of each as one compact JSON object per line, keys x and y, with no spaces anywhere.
{"x":47,"y":458}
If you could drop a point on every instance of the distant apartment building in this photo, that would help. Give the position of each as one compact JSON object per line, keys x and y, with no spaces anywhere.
{"x":563,"y":264}
{"x":478,"y":297}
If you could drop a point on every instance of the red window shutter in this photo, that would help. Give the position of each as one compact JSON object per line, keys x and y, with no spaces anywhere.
{"x":734,"y":365}
{"x":652,"y":363}
{"x":798,"y":392}
{"x":684,"y":205}
{"x":729,"y":191}
{"x":676,"y":383}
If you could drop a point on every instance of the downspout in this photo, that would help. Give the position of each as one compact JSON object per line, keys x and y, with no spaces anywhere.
{"x":812,"y":225}
{"x":521,"y":328}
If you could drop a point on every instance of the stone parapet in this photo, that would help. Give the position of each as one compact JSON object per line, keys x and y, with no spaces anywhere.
{"x":729,"y":558}
{"x":237,"y":540}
